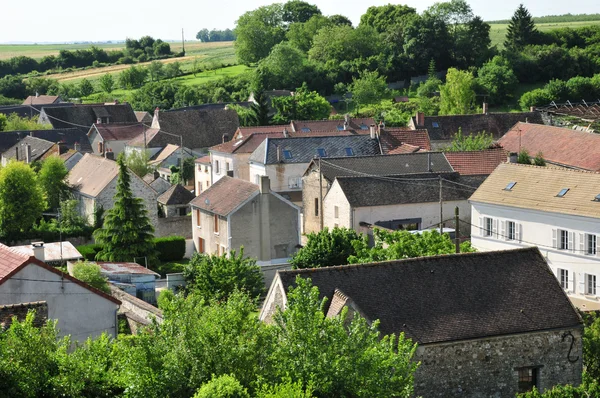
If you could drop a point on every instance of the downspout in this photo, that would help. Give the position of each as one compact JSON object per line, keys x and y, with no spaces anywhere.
{"x":228,"y":234}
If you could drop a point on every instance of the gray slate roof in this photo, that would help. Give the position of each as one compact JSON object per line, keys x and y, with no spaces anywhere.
{"x":304,"y":149}
{"x":451,"y":297}
{"x":68,"y":136}
{"x":160,"y":185}
{"x":38,"y":148}
{"x":29,"y":110}
{"x":176,"y":195}
{"x":86,"y":115}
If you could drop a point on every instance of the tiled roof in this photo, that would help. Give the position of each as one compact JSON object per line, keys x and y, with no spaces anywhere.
{"x":110,"y":268}
{"x":68,"y":137}
{"x":476,"y":162}
{"x":176,"y":195}
{"x":225,"y":195}
{"x":394,"y":138}
{"x":160,"y":185}
{"x":445,"y":127}
{"x":86,"y":115}
{"x":401,"y":164}
{"x":92,"y":174}
{"x":385,"y":191}
{"x":143,"y":117}
{"x":537,"y":188}
{"x":41,"y":99}
{"x":29,"y":110}
{"x":38,"y":148}
{"x":244,"y":131}
{"x":558,"y":145}
{"x":203,"y":160}
{"x":404,"y":148}
{"x":165,"y":153}
{"x":153,"y":138}
{"x":451,"y":297}
{"x":247,"y":144}
{"x":331,"y":125}
{"x":304,"y":149}
{"x":119,"y":131}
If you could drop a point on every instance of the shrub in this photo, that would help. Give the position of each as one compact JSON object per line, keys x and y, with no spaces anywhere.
{"x":170,"y":248}
{"x":91,"y":274}
{"x":224,"y":386}
{"x":89,"y":251}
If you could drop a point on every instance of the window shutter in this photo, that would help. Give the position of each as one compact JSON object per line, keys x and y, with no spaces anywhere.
{"x":581,"y":278}
{"x":518,"y":231}
{"x":597,"y":285}
{"x":495,"y":228}
{"x":503,"y":230}
{"x":582,"y":244}
{"x":597,"y":245}
{"x":572,"y":241}
{"x":554,"y":241}
{"x":571,"y":286}
{"x":481,"y":226}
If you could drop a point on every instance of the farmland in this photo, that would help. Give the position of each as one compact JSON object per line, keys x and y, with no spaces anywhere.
{"x":498,"y":31}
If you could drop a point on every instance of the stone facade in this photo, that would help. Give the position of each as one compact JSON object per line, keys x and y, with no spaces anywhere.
{"x":214,"y":240}
{"x":488,"y":367}
{"x":310,"y":197}
{"x":179,"y":226}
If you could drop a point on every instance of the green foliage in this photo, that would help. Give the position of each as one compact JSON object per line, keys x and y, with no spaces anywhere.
{"x":22,"y":199}
{"x":498,"y":79}
{"x":335,"y":44}
{"x":224,"y":386}
{"x":91,"y":274}
{"x":286,"y":389}
{"x":591,"y":346}
{"x":89,"y":251}
{"x":521,"y":29}
{"x":154,"y":95}
{"x":286,"y":67}
{"x":478,"y":142}
{"x":338,"y":356}
{"x":127,"y":233}
{"x":386,"y":17}
{"x":133,"y":77}
{"x":137,"y":161}
{"x":155,"y":71}
{"x":304,"y":105}
{"x":585,"y":88}
{"x":13,"y":122}
{"x":457,"y":96}
{"x":3,"y":122}
{"x":257,"y":32}
{"x":539,"y":159}
{"x":299,"y":11}
{"x":326,"y":248}
{"x":85,"y":87}
{"x":170,"y":248}
{"x":300,"y":35}
{"x":589,"y":388}
{"x":368,"y":88}
{"x":107,"y":83}
{"x":397,"y":245}
{"x":165,"y":298}
{"x":524,"y":157}
{"x":217,"y":277}
{"x":52,"y":177}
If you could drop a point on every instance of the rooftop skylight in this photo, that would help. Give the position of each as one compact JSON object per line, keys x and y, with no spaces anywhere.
{"x":563,"y":192}
{"x":287,"y":154}
{"x":322,"y":153}
{"x":510,"y":186}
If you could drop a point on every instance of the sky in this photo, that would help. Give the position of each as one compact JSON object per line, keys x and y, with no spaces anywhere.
{"x":76,"y":20}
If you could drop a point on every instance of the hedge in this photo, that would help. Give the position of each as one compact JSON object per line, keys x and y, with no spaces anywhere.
{"x":170,"y":248}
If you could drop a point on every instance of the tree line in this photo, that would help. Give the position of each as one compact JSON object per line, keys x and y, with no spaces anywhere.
{"x":206,"y":36}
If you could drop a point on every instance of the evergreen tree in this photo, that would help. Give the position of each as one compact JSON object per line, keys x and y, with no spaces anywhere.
{"x":521,"y":29}
{"x":127,"y":233}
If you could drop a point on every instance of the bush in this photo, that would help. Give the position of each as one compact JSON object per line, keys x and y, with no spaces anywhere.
{"x":224,"y":386}
{"x":170,"y":248}
{"x":89,"y":251}
{"x":91,"y":274}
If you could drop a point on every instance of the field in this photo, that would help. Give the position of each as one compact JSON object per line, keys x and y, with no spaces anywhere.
{"x":498,"y":31}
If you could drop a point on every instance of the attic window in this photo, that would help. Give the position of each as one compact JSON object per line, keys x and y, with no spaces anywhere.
{"x":287,"y":154}
{"x":563,"y":192}
{"x":350,"y":152}
{"x":435,"y":124}
{"x":340,"y":127}
{"x":510,"y":186}
{"x":364,"y":127}
{"x":305,"y":130}
{"x":322,"y":153}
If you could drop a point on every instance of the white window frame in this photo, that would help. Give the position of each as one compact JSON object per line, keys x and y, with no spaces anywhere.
{"x":563,"y":278}
{"x":562,"y":236}
{"x":488,"y":226}
{"x":295,"y":183}
{"x":336,"y":212}
{"x":591,"y":244}
{"x":217,"y":167}
{"x":590,"y":284}
{"x":511,"y":230}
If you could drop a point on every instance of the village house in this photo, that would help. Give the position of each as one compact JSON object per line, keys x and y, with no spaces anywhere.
{"x":557,"y":210}
{"x":83,"y":116}
{"x":81,"y":310}
{"x":29,"y":111}
{"x":154,"y":142}
{"x":29,"y":150}
{"x":55,"y":253}
{"x":113,"y":137}
{"x":158,"y":183}
{"x":559,"y":146}
{"x":202,"y":174}
{"x":42,"y":100}
{"x":477,"y":163}
{"x":233,"y":213}
{"x":473,"y":338}
{"x":175,"y":202}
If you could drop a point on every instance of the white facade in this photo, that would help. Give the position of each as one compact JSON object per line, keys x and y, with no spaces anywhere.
{"x":221,"y":163}
{"x":202,"y":177}
{"x":80,"y":312}
{"x":571,"y":244}
{"x":284,"y":177}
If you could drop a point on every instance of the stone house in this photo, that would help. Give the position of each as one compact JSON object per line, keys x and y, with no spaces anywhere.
{"x":29,"y":150}
{"x":86,"y":115}
{"x":233,"y":213}
{"x":81,"y":310}
{"x":473,"y":338}
{"x":113,"y":137}
{"x":93,"y":181}
{"x":557,"y":210}
{"x":156,"y":142}
{"x":175,"y":202}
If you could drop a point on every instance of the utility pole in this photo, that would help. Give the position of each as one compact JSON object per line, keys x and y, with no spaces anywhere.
{"x":320,"y":206}
{"x":182,"y":42}
{"x":456,"y":230}
{"x":441,"y":207}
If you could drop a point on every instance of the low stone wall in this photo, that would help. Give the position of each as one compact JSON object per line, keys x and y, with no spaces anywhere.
{"x":180,"y":226}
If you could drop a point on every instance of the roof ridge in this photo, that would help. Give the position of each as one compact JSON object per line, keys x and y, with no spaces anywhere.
{"x":533,"y":166}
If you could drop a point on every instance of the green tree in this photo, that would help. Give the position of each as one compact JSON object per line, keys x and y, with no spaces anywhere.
{"x":539,"y":159}
{"x":225,"y":386}
{"x":457,"y":96}
{"x":107,"y":83}
{"x":397,"y":245}
{"x":69,"y":215}
{"x":326,"y":248}
{"x":155,"y":71}
{"x":133,"y":77}
{"x":172,"y":70}
{"x":498,"y":79}
{"x":286,"y":389}
{"x":127,"y":233}
{"x":368,"y":88}
{"x":16,"y":123}
{"x":524,"y":157}
{"x":338,"y":43}
{"x":187,"y":171}
{"x":286,"y":67}
{"x":3,"y":122}
{"x":339,"y":356}
{"x":383,"y":18}
{"x":304,"y":105}
{"x":137,"y":161}
{"x":85,"y":87}
{"x":52,"y":177}
{"x":521,"y":30}
{"x":91,"y":274}
{"x":470,"y":142}
{"x":338,"y":19}
{"x":22,"y":199}
{"x":217,"y":277}
{"x":257,"y":32}
{"x":300,"y":35}
{"x":299,"y":11}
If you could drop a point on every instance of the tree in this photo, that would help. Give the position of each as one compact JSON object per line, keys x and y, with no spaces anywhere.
{"x":401,"y":244}
{"x":137,"y":161}
{"x":384,"y":18}
{"x":91,"y":274}
{"x":127,"y":233}
{"x":457,"y":96}
{"x":303,"y":105}
{"x":539,"y":159}
{"x":286,"y":67}
{"x":172,"y":70}
{"x":217,"y":277}
{"x":187,"y":171}
{"x":22,"y":199}
{"x":469,"y":142}
{"x":133,"y":77}
{"x":326,"y":248}
{"x":521,"y":30}
{"x":498,"y":79}
{"x":85,"y":87}
{"x":107,"y":83}
{"x":257,"y":32}
{"x":338,"y":43}
{"x":300,"y":35}
{"x":203,"y":35}
{"x":368,"y":88}
{"x":423,"y":39}
{"x":338,"y":356}
{"x":155,"y":70}
{"x":161,"y":48}
{"x":524,"y":157}
{"x":338,"y":19}
{"x":299,"y":11}
{"x":225,"y":386}
{"x":3,"y":122}
{"x":52,"y":178}
{"x":155,"y":95}
{"x":16,"y":123}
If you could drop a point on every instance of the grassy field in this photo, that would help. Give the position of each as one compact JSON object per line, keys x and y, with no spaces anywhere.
{"x":498,"y":31}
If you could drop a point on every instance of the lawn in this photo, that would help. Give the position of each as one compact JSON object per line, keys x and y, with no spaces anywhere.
{"x":498,"y":31}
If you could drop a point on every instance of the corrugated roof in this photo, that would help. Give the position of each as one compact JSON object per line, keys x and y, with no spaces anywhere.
{"x":225,"y":195}
{"x":537,"y":188}
{"x":125,"y":268}
{"x":92,"y":174}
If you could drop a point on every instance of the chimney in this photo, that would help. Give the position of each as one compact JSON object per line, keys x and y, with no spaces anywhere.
{"x":230,"y":173}
{"x":116,"y":102}
{"x":279,"y":153}
{"x":37,"y":95}
{"x":265,"y":185}
{"x":372,"y":131}
{"x":485,"y":108}
{"x":27,"y":153}
{"x":155,"y":174}
{"x":420,"y":118}
{"x":285,"y":133}
{"x":77,"y":147}
{"x":31,"y":134}
{"x":38,"y":250}
{"x":109,"y":154}
{"x":380,"y":128}
{"x":99,"y":121}
{"x":346,"y":125}
{"x":347,"y":118}
{"x":62,"y":147}
{"x":512,"y":157}
{"x":225,"y":138}
{"x":156,"y":111}
{"x":532,"y":109}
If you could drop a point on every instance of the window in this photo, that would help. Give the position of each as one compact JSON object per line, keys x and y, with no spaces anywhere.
{"x":590,"y":284}
{"x":294,"y":182}
{"x":511,"y":230}
{"x":227,"y":166}
{"x":199,"y":187}
{"x":216,"y":224}
{"x":316,"y":207}
{"x":563,"y":192}
{"x":364,"y":127}
{"x":287,"y":154}
{"x":510,"y":186}
{"x":198,"y":219}
{"x":182,"y":211}
{"x":563,"y":242}
{"x":340,"y":127}
{"x":349,"y":152}
{"x":200,"y":245}
{"x":322,"y":153}
{"x":217,"y":168}
{"x":527,"y":379}
{"x":487,"y":226}
{"x":590,"y":244}
{"x":563,"y":278}
{"x":305,"y":130}
{"x":435,"y":124}
{"x":336,"y":212}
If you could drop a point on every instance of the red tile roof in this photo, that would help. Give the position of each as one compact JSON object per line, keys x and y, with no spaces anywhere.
{"x":404,"y":148}
{"x":476,"y":162}
{"x":203,"y":160}
{"x":225,"y":195}
{"x":120,"y":131}
{"x":558,"y":145}
{"x":247,"y":144}
{"x":392,"y":138}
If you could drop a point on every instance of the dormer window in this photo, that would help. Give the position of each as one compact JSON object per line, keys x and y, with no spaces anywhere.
{"x":364,"y":127}
{"x":435,"y":125}
{"x":340,"y":127}
{"x":349,"y":152}
{"x":322,"y":153}
{"x":305,"y":130}
{"x":510,"y":186}
{"x":563,"y":192}
{"x":287,"y":154}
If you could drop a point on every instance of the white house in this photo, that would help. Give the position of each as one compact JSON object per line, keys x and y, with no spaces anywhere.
{"x":202,"y":174}
{"x":557,"y":210}
{"x":81,"y":310}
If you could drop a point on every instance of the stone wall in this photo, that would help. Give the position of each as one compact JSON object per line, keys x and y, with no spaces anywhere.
{"x":310,"y":192}
{"x":180,"y":226}
{"x":7,"y":312}
{"x":488,"y":367}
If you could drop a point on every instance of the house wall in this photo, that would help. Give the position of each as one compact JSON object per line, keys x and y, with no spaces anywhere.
{"x":255,"y":171}
{"x":85,"y":206}
{"x":202,"y":177}
{"x":226,"y":162}
{"x":241,"y":166}
{"x":536,"y":229}
{"x":214,"y":243}
{"x":310,"y":193}
{"x":488,"y":367}
{"x":80,"y":312}
{"x":179,"y":226}
{"x":285,"y":176}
